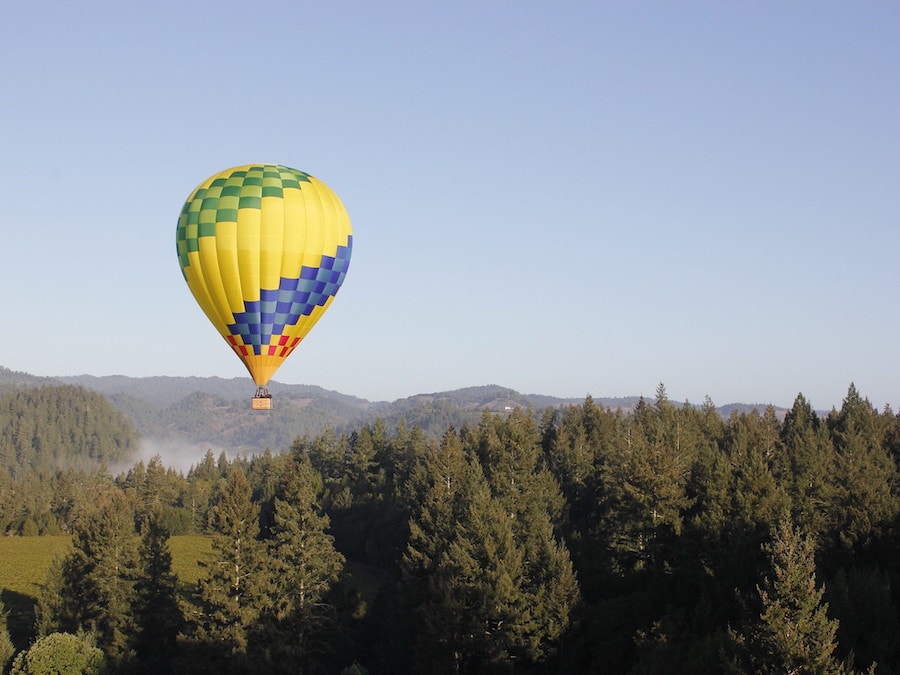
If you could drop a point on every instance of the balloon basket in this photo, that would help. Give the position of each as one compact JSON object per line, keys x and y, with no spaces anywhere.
{"x":262,"y":400}
{"x":260,"y":403}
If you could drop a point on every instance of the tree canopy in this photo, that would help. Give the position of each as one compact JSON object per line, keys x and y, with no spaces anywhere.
{"x":577,"y":539}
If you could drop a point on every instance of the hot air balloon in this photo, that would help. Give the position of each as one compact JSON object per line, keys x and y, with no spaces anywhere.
{"x":264,"y":250}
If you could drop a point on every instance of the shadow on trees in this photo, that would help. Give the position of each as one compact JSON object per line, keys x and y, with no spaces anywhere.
{"x":21,"y":610}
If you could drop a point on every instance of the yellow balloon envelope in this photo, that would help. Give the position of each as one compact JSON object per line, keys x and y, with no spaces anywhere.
{"x":264,"y":249}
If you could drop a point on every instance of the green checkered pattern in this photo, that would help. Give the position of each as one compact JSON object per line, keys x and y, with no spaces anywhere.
{"x":220,"y":201}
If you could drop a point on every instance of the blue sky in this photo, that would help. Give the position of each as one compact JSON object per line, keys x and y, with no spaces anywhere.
{"x":561,"y":198}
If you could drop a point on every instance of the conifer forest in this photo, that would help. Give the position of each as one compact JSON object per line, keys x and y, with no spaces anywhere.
{"x":573,"y":539}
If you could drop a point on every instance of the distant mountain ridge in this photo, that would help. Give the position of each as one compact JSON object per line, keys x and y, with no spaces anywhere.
{"x":215,"y":411}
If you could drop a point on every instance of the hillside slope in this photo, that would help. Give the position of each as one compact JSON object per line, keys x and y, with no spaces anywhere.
{"x":215,"y":412}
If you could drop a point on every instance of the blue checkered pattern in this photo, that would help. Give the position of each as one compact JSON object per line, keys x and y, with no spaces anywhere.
{"x":283,"y":306}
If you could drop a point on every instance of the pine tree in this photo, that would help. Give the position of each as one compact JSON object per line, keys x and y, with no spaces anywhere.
{"x":59,"y":653}
{"x":96,"y":580}
{"x":157,"y":613}
{"x":577,"y":452}
{"x":328,"y":455}
{"x":233,"y":589}
{"x":804,"y":466}
{"x":529,"y":495}
{"x":793,"y":633}
{"x":206,"y":469}
{"x":864,"y":598}
{"x":865,"y":476}
{"x":304,"y":566}
{"x":509,"y":451}
{"x":573,"y":447}
{"x":152,"y":494}
{"x":463,"y":577}
{"x":481,"y":609}
{"x":490,"y":581}
{"x":402,"y":452}
{"x":644,"y":482}
{"x":362,"y":527}
{"x":365,"y":475}
{"x":710,"y":480}
{"x":752,"y":443}
{"x":441,"y":492}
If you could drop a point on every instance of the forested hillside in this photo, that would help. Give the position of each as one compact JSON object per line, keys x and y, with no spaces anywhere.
{"x":212,"y":412}
{"x":665,"y":539}
{"x":50,"y":427}
{"x":216,"y":411}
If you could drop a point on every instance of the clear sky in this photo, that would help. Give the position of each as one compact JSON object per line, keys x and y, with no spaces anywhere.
{"x":562,"y":198}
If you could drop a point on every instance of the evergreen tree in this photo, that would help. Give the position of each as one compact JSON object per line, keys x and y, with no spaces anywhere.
{"x":263,"y":475}
{"x":31,"y":507}
{"x":463,"y":575}
{"x":158,"y":616}
{"x":441,"y":489}
{"x":864,"y":598}
{"x":206,"y":469}
{"x":58,"y":654}
{"x":233,"y":589}
{"x":365,"y":475}
{"x":480,"y":613}
{"x":793,"y":633}
{"x":510,"y":454}
{"x":197,"y":497}
{"x":402,"y":452}
{"x":304,"y":566}
{"x":713,"y":549}
{"x":397,"y":456}
{"x":644,"y":482}
{"x":572,"y":447}
{"x":50,"y":607}
{"x":526,"y":490}
{"x":366,"y":529}
{"x":757,"y":501}
{"x":96,"y":581}
{"x":804,"y":467}
{"x":753,"y":442}
{"x":490,"y":582}
{"x":865,"y":479}
{"x":577,"y":452}
{"x":328,"y":453}
{"x":710,"y":481}
{"x":155,"y":492}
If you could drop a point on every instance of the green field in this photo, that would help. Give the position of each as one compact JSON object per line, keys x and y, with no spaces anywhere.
{"x":187,"y":551}
{"x":24,"y":562}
